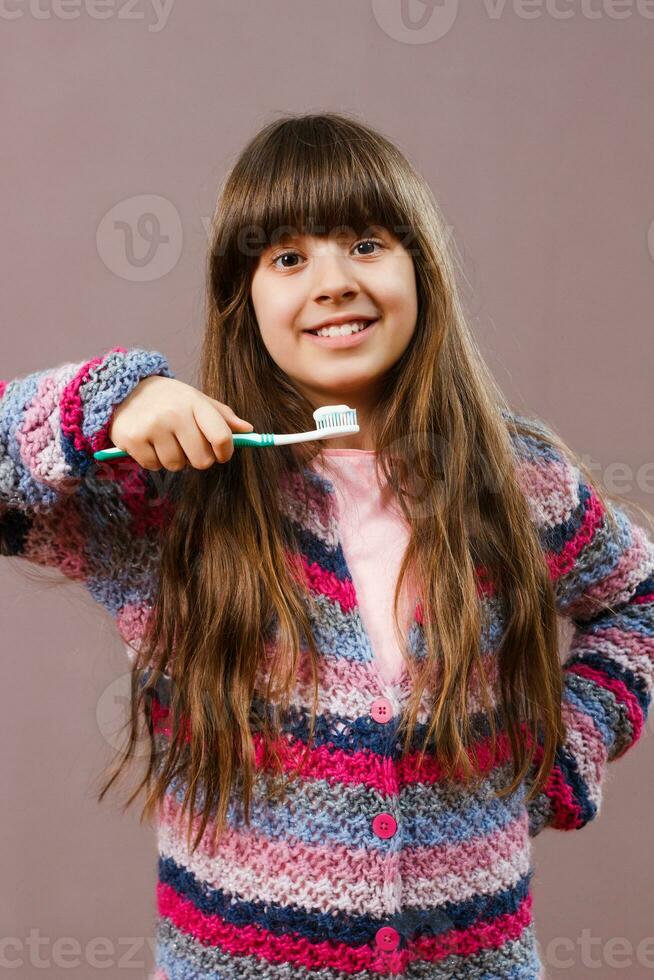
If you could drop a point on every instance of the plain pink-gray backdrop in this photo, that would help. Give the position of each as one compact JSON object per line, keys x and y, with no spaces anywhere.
{"x":532,"y":122}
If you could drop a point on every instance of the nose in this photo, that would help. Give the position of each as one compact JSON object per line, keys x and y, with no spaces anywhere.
{"x":333,"y":277}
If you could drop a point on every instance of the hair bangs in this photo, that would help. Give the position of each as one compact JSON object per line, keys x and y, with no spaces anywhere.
{"x":312,"y":179}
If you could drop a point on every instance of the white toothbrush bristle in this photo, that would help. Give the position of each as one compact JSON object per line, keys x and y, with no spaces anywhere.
{"x":335,"y":416}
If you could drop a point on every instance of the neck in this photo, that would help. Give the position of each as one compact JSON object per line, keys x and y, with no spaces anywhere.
{"x":356,"y":440}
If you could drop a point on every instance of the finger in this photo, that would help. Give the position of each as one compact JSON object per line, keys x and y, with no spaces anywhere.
{"x":145,"y":455}
{"x":170,"y":452}
{"x":197,"y":448}
{"x":216,"y":430}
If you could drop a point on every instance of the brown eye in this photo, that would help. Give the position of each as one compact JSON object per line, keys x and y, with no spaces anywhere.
{"x":370,"y":241}
{"x":283,"y":256}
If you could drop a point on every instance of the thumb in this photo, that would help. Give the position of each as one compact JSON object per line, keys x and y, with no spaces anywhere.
{"x":231,"y":416}
{"x":242,"y":424}
{"x":237,"y":421}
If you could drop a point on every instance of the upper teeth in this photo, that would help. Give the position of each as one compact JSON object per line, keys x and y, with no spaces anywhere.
{"x":342,"y":331}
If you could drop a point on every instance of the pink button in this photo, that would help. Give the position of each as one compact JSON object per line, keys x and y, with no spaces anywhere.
{"x":381,"y":710}
{"x":387,"y":938}
{"x":384,"y":825}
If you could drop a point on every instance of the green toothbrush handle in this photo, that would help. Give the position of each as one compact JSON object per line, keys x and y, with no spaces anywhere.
{"x":112,"y":453}
{"x":239,"y":439}
{"x":253,"y":439}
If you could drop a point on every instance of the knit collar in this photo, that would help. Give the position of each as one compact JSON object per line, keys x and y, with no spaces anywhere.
{"x":331,"y":580}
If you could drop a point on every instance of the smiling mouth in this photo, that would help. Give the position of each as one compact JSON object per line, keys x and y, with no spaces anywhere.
{"x":338,"y":333}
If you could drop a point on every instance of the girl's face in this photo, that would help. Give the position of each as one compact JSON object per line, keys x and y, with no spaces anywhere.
{"x":298,"y":287}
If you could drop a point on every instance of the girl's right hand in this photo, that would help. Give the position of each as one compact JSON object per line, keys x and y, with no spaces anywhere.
{"x":165,"y":423}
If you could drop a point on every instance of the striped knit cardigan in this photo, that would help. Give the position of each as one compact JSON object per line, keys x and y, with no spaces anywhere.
{"x":372,"y":865}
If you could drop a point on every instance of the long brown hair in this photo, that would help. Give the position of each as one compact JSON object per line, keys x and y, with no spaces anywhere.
{"x":224,"y":578}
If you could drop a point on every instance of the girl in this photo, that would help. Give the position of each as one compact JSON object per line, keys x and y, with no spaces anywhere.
{"x":340,"y":790}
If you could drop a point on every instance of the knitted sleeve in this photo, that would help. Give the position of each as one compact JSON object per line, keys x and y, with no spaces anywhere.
{"x":603,"y":578}
{"x":56,"y":501}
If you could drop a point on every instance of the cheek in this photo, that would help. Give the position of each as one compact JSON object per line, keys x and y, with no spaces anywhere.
{"x":279,"y":334}
{"x":400,"y":302}
{"x":276,"y":316}
{"x":397,"y":288}
{"x":266,"y":295}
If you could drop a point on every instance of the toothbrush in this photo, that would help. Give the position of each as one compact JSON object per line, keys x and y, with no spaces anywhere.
{"x":331,"y":421}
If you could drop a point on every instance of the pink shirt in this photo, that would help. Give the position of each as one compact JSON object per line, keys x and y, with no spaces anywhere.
{"x":374,"y":535}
